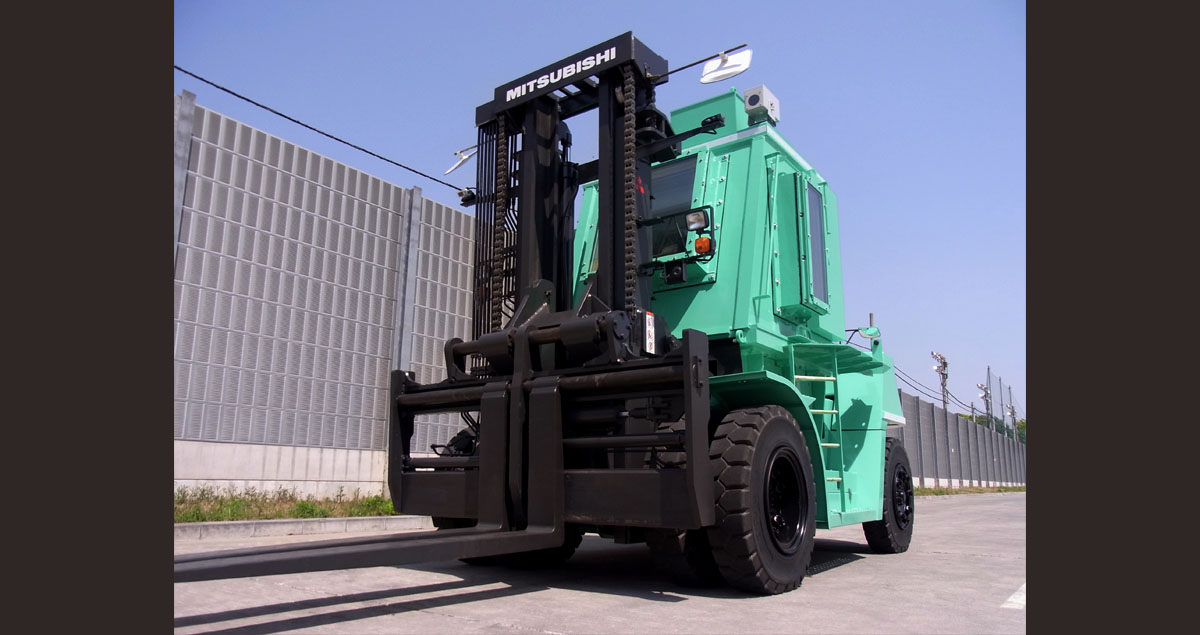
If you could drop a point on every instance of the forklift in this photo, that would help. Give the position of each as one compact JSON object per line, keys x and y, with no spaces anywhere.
{"x":670,"y":366}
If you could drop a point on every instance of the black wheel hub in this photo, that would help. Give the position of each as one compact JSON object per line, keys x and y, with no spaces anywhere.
{"x":902,"y":497}
{"x":785,"y":501}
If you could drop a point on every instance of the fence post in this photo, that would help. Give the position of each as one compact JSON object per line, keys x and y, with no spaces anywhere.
{"x":1024,"y":474}
{"x":980,"y":454}
{"x":1005,"y":480}
{"x":927,"y":446}
{"x":934,"y":436}
{"x":1012,"y":463}
{"x":991,"y":456}
{"x":964,"y":477}
{"x":1007,"y":466}
{"x":971,"y":472}
{"x":945,"y":423}
{"x":999,"y":459}
{"x":912,"y":417}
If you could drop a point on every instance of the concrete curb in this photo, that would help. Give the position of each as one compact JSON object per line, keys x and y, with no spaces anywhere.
{"x":298,"y":526}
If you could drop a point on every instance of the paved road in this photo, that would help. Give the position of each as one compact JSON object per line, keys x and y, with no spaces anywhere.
{"x":965,"y":573}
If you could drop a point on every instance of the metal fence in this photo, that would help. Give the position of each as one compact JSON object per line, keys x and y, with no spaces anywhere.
{"x":949,"y":450}
{"x":300,"y":282}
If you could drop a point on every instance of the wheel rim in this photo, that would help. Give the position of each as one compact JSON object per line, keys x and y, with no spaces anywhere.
{"x":785,"y":500}
{"x":902,"y":497}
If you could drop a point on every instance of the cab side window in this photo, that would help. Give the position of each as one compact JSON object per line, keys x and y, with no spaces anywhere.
{"x":814,"y":209}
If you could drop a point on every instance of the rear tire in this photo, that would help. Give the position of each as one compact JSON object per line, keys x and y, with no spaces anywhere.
{"x":766,"y":500}
{"x":893,"y":533}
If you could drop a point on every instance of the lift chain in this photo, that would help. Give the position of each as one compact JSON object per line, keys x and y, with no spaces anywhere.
{"x":630,"y":176}
{"x":498,"y":224}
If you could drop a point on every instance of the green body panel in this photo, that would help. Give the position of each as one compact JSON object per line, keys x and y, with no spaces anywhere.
{"x":774,"y":228}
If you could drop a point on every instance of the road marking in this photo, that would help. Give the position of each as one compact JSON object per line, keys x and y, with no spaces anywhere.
{"x":1016,"y":600}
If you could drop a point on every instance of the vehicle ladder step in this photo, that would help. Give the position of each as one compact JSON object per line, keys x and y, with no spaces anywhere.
{"x":830,"y":445}
{"x":814,"y":378}
{"x":835,"y":479}
{"x":824,"y":412}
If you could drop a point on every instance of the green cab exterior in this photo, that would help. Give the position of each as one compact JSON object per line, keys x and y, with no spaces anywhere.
{"x":772,"y":286}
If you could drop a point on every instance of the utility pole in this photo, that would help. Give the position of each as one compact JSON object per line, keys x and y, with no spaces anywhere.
{"x":978,"y":454}
{"x":986,"y":396}
{"x":940,"y":369}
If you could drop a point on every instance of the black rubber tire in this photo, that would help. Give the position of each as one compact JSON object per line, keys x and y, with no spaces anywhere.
{"x":893,"y":533}
{"x":753,"y":450}
{"x":684,"y":557}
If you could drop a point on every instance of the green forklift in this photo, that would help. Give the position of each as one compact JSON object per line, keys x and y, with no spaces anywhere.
{"x":670,"y":365}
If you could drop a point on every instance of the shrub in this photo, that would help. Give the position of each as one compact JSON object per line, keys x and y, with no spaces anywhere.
{"x":372,"y":506}
{"x":309,"y":509}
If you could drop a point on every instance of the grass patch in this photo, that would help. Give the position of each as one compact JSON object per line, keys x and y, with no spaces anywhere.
{"x":204,"y":504}
{"x":947,"y":491}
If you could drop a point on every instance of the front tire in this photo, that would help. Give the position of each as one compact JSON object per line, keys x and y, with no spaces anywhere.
{"x":766,"y":500}
{"x":893,"y":533}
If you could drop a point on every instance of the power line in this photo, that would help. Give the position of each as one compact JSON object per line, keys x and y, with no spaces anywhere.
{"x":905,"y":377}
{"x":957,"y":400}
{"x":914,"y":379}
{"x":322,"y":132}
{"x":918,"y":390}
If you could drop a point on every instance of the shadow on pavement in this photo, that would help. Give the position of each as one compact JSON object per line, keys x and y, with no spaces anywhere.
{"x":285,"y":607}
{"x":830,"y":554}
{"x":349,"y":615}
{"x":599,"y":566}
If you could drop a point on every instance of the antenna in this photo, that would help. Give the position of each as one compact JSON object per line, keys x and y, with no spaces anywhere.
{"x":462,"y":158}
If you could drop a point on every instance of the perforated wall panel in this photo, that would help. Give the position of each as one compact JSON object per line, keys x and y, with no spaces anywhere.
{"x":286,"y":292}
{"x":443,"y":307}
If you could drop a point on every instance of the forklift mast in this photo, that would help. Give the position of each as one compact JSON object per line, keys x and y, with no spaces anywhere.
{"x":524,"y":219}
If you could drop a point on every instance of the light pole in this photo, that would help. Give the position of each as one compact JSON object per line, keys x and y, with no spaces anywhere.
{"x":940,"y":369}
{"x":986,"y":395}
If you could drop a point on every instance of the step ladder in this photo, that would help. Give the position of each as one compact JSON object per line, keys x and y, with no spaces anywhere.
{"x":831,"y":441}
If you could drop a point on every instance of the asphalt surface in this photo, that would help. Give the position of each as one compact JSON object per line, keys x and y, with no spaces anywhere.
{"x":964,"y":573}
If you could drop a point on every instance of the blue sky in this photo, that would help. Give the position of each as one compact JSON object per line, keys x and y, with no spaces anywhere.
{"x":913,"y":111}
